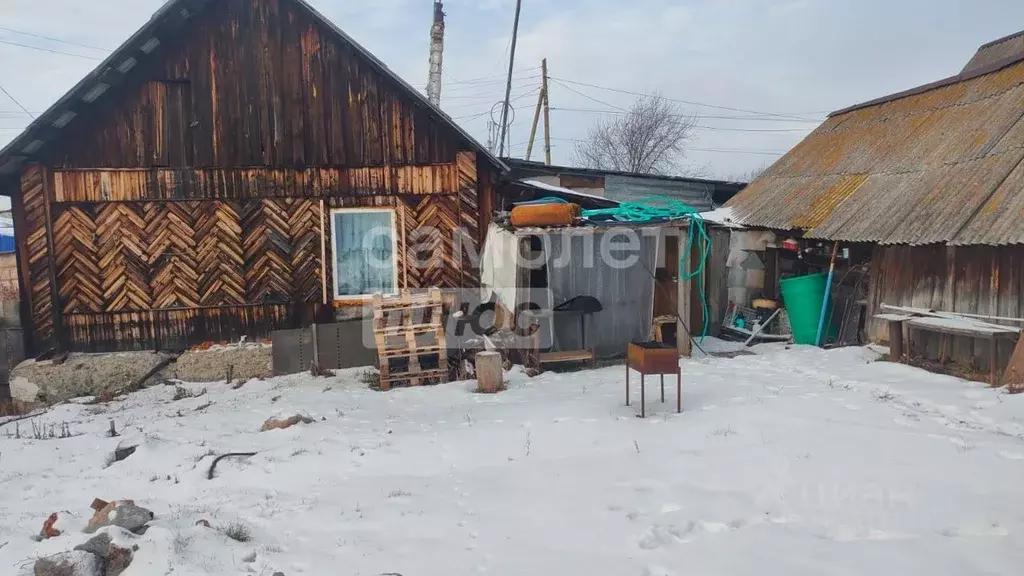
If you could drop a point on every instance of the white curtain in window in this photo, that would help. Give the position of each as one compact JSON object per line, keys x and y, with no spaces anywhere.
{"x":364,"y":256}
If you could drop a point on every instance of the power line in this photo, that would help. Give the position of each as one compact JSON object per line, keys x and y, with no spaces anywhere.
{"x":41,"y":49}
{"x":488,"y":95}
{"x":484,"y":85}
{"x":490,"y":78}
{"x":52,"y":39}
{"x":690,"y":102}
{"x":466,"y":105}
{"x":738,"y":151}
{"x":718,"y":150}
{"x":586,"y":96}
{"x":15,"y":100}
{"x":721,"y":129}
{"x":701,"y":116}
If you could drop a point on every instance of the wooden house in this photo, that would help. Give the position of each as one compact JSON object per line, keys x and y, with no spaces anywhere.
{"x":208,"y":181}
{"x":928,"y":184}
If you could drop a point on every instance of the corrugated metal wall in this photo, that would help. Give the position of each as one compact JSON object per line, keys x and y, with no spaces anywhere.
{"x":628,"y":189}
{"x":627,"y":294}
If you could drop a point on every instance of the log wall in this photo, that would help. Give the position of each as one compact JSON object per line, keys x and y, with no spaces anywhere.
{"x":195,"y":204}
{"x":983,"y":280}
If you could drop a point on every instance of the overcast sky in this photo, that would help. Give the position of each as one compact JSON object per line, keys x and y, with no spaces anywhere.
{"x":795,"y":58}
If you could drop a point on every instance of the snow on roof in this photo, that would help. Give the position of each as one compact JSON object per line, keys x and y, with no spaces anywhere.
{"x":567,"y":191}
{"x":722,"y":216}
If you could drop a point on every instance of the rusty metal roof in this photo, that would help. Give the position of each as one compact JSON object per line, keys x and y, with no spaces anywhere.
{"x":937,"y":165}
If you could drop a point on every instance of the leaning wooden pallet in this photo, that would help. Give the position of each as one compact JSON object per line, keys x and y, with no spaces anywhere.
{"x":411,"y":346}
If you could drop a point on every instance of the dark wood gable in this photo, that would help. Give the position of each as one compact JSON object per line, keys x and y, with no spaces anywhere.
{"x":259,"y":83}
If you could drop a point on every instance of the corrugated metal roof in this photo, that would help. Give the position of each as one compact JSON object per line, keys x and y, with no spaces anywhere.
{"x":942,"y":165}
{"x":698,"y":195}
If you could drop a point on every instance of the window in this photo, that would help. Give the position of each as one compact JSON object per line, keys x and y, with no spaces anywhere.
{"x":364,"y":253}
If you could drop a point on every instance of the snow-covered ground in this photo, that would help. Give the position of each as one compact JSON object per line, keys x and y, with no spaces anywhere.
{"x":795,"y":461}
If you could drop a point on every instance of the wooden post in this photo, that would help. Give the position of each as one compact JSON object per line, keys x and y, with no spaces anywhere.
{"x":323,"y":251}
{"x":627,"y":381}
{"x":908,"y":342}
{"x":643,"y":395}
{"x":993,"y":360}
{"x":489,"y":375}
{"x":679,"y":391}
{"x":56,"y":312}
{"x":895,"y":341}
{"x":685,"y":289}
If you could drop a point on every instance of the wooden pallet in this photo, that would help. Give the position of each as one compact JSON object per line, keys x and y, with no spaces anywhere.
{"x":411,"y":346}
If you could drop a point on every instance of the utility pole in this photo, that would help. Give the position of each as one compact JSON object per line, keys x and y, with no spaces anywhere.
{"x":436,"y":54}
{"x":547,"y":112}
{"x":536,"y":121}
{"x":542,"y":105}
{"x":508,"y":86}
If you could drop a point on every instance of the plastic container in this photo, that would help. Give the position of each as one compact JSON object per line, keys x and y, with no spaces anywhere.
{"x":803,"y":297}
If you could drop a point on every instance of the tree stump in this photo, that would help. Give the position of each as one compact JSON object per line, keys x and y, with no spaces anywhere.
{"x":489,"y":376}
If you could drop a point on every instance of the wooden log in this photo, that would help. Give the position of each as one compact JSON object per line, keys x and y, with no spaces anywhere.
{"x":489,"y":375}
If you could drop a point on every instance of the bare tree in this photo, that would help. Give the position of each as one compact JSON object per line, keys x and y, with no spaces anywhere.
{"x":650,"y":138}
{"x":749,"y":175}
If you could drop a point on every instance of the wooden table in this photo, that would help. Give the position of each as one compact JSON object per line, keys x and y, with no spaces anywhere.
{"x":901,"y":326}
{"x":654,"y":358}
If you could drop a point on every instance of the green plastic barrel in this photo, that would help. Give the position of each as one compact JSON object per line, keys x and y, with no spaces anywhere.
{"x":802,"y":297}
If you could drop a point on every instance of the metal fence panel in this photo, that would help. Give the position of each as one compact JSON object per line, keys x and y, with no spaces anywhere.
{"x":293,"y":351}
{"x":338,"y":346}
{"x":627,"y":294}
{"x":344,"y":345}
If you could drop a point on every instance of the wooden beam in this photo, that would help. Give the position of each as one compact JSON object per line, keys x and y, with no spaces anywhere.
{"x":685,"y":290}
{"x":58,"y":328}
{"x":21,"y":258}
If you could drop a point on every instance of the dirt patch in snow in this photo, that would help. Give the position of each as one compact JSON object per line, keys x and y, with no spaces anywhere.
{"x":245,"y":362}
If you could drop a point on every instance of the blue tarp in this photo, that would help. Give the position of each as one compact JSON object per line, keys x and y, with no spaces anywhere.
{"x":6,"y":244}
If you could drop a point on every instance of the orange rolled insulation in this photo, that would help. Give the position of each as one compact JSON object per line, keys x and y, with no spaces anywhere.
{"x":546,"y":215}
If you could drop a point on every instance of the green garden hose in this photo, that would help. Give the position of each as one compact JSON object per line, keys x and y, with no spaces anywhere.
{"x":661,"y":209}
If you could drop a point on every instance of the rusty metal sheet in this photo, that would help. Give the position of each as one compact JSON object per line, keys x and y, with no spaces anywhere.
{"x":913,"y":170}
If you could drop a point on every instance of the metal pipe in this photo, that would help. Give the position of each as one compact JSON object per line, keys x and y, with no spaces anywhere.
{"x":828,"y":293}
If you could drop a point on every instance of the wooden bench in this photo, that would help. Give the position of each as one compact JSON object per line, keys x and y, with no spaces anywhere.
{"x":901,"y":327}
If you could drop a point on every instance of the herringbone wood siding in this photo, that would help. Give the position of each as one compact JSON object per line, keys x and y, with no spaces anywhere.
{"x":33,"y":198}
{"x":469,"y":220}
{"x":118,"y":257}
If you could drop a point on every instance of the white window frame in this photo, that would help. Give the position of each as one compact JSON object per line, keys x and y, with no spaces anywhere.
{"x":334,"y":248}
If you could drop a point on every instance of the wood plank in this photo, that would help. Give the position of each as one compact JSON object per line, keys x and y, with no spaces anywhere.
{"x":569,"y":356}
